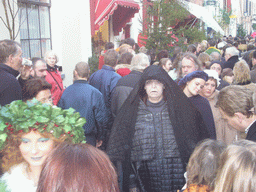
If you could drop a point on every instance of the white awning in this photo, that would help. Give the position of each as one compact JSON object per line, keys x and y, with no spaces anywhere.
{"x":203,"y":14}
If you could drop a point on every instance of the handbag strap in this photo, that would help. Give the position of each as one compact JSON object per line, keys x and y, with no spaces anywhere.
{"x":55,"y":80}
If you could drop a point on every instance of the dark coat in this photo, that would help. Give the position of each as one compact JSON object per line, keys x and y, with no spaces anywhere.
{"x":251,"y":135}
{"x":88,"y":101}
{"x":222,"y":84}
{"x":203,"y":105}
{"x":10,"y":89}
{"x":253,"y":74}
{"x":105,"y":81}
{"x":186,"y":120}
{"x":230,"y":62}
{"x":122,"y":90}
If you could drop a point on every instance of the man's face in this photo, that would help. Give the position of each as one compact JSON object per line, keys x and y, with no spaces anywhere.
{"x":232,"y":121}
{"x":16,"y":60}
{"x":40,"y":69}
{"x":188,"y":66}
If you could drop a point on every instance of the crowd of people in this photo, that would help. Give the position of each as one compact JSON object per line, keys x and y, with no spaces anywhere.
{"x":147,"y":120}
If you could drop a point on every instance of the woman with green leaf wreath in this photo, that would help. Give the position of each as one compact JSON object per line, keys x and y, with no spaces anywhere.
{"x":28,"y":133}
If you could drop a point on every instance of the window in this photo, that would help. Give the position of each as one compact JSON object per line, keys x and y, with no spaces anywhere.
{"x":35,"y":32}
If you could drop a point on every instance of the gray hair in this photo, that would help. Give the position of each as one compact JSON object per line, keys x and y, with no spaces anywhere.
{"x":140,"y":62}
{"x":51,"y":52}
{"x":215,"y":56}
{"x":232,"y":51}
{"x":191,"y":57}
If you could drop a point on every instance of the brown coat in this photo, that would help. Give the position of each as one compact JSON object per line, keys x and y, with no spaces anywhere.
{"x":224,"y":132}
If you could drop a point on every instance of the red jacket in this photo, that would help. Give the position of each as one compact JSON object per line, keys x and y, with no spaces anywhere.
{"x":54,"y":78}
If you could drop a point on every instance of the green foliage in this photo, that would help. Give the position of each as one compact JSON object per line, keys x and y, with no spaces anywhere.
{"x":254,"y":26}
{"x":193,"y":34}
{"x":21,"y":117}
{"x":163,"y":16}
{"x":241,"y":32}
{"x":224,"y":18}
{"x":93,"y":62}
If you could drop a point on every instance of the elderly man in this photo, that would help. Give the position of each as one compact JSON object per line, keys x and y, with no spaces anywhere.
{"x":231,"y":57}
{"x":88,"y":101}
{"x":215,"y":56}
{"x":126,"y":84}
{"x":10,"y":65}
{"x":188,"y":64}
{"x":236,"y":106}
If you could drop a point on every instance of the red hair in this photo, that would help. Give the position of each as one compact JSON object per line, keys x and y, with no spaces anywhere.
{"x":78,"y":168}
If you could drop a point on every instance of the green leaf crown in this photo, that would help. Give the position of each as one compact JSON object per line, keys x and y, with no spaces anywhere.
{"x":19,"y":116}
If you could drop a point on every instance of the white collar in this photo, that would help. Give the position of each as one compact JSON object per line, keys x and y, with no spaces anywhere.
{"x":247,"y":129}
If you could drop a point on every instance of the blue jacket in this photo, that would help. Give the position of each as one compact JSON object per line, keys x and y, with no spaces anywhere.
{"x":89,"y":102}
{"x":105,"y":81}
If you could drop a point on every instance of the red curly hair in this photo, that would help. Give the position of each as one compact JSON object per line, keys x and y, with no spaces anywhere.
{"x":11,"y":153}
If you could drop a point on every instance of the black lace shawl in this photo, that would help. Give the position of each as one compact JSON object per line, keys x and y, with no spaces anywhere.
{"x":186,"y":120}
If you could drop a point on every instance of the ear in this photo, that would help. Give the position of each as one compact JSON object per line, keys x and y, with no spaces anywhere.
{"x":76,"y":74}
{"x":32,"y":73}
{"x":240,"y":116}
{"x":9,"y":60}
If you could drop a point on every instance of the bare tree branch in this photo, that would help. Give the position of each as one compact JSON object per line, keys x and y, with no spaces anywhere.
{"x":4,"y":22}
{"x":7,"y":18}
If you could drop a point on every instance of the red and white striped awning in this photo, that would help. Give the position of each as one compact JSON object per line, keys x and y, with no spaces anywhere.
{"x":122,"y":11}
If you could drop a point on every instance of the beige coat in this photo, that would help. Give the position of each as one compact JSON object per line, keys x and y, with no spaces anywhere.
{"x":224,"y":132}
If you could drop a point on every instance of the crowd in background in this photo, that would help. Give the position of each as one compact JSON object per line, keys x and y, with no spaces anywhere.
{"x":155,"y":114}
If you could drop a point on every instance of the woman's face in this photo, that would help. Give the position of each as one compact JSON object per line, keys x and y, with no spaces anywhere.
{"x":229,"y":79}
{"x":44,"y":96}
{"x":154,"y":90}
{"x":209,"y":88}
{"x":198,"y":49}
{"x":51,"y":60}
{"x":35,"y":148}
{"x":167,"y":67}
{"x":216,"y":67}
{"x":194,"y":87}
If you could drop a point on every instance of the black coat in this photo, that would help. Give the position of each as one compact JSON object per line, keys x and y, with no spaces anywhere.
{"x":186,"y":120}
{"x":122,"y":90}
{"x":10,"y":89}
{"x":230,"y":62}
{"x":251,"y":135}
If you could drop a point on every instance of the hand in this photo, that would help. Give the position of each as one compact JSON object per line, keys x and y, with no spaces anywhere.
{"x":25,"y":72}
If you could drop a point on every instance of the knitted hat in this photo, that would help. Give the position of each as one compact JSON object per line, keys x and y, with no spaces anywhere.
{"x":190,"y":76}
{"x":213,"y":74}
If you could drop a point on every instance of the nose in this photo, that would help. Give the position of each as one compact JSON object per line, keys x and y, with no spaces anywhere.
{"x":44,"y":74}
{"x":34,"y":148}
{"x":154,"y":84}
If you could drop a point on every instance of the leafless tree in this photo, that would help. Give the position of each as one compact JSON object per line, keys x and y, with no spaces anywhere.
{"x":10,"y":18}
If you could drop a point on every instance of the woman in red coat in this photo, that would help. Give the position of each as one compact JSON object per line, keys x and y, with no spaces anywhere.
{"x":53,"y":76}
